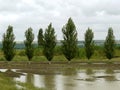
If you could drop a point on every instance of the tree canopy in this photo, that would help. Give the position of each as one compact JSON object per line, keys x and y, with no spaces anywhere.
{"x":49,"y":42}
{"x":89,"y":43}
{"x":109,"y":44}
{"x":8,"y":44}
{"x":29,"y":48}
{"x":69,"y":44}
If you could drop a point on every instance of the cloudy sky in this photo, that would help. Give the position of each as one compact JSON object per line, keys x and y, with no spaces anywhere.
{"x":99,"y":15}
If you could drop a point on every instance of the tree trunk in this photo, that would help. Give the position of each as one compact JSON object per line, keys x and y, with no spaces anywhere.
{"x":69,"y":62}
{"x":49,"y":62}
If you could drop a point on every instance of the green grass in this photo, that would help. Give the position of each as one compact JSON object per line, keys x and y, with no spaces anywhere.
{"x":38,"y":55}
{"x":8,"y":83}
{"x":29,"y":86}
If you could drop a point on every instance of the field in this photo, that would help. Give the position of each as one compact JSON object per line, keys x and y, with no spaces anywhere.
{"x":38,"y":55}
{"x":98,"y":55}
{"x":39,"y":65}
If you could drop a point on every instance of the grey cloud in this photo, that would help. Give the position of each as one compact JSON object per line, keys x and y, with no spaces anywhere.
{"x":96,"y":14}
{"x":15,"y":6}
{"x":109,"y":6}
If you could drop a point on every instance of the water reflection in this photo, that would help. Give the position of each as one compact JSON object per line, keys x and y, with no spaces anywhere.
{"x":49,"y":82}
{"x":30,"y":78}
{"x":39,"y":81}
{"x":109,"y":71}
{"x":59,"y":80}
{"x":69,"y":71}
{"x":22,"y":78}
{"x":68,"y":79}
{"x":89,"y":71}
{"x":111,"y":76}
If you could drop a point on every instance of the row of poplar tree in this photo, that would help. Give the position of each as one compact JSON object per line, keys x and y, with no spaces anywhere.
{"x":47,"y":41}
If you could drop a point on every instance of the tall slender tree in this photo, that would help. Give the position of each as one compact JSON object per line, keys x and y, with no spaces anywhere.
{"x":29,"y":48}
{"x":109,"y":44}
{"x":89,"y":43}
{"x":40,"y":38}
{"x":49,"y":42}
{"x":8,"y":44}
{"x":69,"y":44}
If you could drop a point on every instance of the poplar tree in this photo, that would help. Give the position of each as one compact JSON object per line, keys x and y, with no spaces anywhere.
{"x":8,"y":44}
{"x":29,"y":48}
{"x":40,"y":38}
{"x":49,"y":42}
{"x":89,"y":43}
{"x":109,"y":44}
{"x":69,"y":44}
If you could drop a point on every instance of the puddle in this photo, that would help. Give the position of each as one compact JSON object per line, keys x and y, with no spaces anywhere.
{"x":72,"y":79}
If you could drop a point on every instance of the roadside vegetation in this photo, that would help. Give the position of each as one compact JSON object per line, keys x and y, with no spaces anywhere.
{"x":89,"y":43}
{"x":29,"y":48}
{"x":109,"y":44}
{"x":9,"y":44}
{"x":98,"y":55}
{"x":49,"y":42}
{"x":69,"y":44}
{"x":47,"y":49}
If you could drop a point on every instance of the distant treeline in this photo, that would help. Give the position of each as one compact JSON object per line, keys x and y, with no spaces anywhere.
{"x":20,"y":45}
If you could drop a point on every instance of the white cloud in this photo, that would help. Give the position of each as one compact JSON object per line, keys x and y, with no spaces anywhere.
{"x":100,"y":13}
{"x":8,"y":17}
{"x":97,"y":14}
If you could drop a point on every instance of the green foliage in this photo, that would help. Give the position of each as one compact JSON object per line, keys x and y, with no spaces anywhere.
{"x":9,"y":44}
{"x":40,"y":38}
{"x":29,"y":48}
{"x":49,"y":42}
{"x":89,"y":43}
{"x":21,"y":53}
{"x":109,"y":44}
{"x":38,"y":51}
{"x":2,"y":59}
{"x":81,"y":53}
{"x":99,"y":52}
{"x":69,"y":44}
{"x":58,"y":50}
